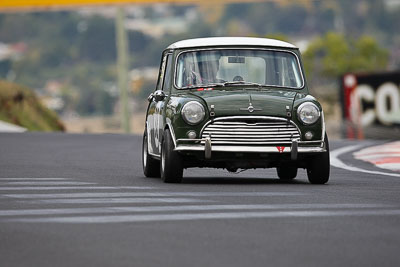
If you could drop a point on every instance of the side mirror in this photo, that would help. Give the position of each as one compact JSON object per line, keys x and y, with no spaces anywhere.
{"x":150,"y":97}
{"x":159,"y":95}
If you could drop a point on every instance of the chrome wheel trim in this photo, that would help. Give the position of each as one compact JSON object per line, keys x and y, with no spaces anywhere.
{"x":145,"y":152}
{"x":162,"y":159}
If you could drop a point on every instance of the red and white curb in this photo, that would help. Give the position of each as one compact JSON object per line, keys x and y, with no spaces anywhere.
{"x":338,"y":163}
{"x":386,"y":156}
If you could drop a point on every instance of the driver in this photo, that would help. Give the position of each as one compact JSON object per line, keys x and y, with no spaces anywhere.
{"x":207,"y":72}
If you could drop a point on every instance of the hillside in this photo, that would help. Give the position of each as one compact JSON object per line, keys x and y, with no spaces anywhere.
{"x":19,"y":105}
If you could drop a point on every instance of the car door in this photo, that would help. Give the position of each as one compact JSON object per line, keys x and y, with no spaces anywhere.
{"x":156,"y":109}
{"x":161,"y":102}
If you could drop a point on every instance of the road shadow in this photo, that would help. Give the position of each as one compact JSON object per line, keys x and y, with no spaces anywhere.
{"x":239,"y":180}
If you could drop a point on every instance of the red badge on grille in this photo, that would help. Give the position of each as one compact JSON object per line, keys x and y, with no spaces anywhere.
{"x":280,"y":148}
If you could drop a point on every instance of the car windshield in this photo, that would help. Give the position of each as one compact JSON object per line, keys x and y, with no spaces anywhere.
{"x":232,"y":67}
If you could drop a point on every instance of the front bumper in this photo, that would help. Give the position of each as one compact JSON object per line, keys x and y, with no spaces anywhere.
{"x":293,"y":148}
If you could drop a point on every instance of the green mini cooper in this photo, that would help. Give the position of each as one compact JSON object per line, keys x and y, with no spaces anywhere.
{"x":234,"y":103}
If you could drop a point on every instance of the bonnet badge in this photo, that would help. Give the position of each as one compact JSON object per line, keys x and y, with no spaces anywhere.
{"x":250,"y":108}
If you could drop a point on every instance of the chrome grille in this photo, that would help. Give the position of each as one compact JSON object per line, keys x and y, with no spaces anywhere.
{"x":260,"y":132}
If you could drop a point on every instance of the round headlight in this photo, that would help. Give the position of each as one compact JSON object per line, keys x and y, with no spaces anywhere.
{"x":193,"y":112}
{"x":308,"y":113}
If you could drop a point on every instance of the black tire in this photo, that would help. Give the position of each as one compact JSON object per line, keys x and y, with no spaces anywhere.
{"x":171,"y":167}
{"x":151,"y":166}
{"x":319,"y":167}
{"x":286,"y":173}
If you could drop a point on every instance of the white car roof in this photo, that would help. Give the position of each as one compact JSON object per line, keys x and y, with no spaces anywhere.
{"x":229,"y":41}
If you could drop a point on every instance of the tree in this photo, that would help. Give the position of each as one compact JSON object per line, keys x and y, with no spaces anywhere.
{"x":97,"y":42}
{"x":334,"y":54}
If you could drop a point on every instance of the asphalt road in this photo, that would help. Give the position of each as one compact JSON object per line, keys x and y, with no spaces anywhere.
{"x":81,"y":200}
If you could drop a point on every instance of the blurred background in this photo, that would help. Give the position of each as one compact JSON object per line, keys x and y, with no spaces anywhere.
{"x":58,"y":66}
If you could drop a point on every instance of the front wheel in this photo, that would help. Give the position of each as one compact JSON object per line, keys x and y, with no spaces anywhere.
{"x":319,"y":167}
{"x":171,"y":168}
{"x":151,"y":166}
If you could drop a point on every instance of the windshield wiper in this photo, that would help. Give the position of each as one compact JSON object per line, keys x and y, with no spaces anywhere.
{"x":242,"y":83}
{"x":224,"y":84}
{"x":205,"y":85}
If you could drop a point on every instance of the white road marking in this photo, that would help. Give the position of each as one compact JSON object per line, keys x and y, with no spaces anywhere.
{"x":45,"y":183}
{"x":387,"y":148}
{"x":336,"y":162}
{"x":389,"y":166}
{"x":377,"y":155}
{"x":115,"y":200}
{"x":20,"y":188}
{"x":208,"y":216}
{"x":34,"y":179}
{"x":27,"y":212}
{"x":152,"y":194}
